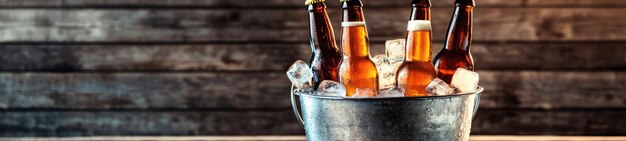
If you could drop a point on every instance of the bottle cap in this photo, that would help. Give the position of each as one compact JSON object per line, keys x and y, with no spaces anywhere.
{"x":309,"y":2}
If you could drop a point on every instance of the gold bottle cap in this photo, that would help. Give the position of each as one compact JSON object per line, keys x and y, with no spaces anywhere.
{"x":309,"y":2}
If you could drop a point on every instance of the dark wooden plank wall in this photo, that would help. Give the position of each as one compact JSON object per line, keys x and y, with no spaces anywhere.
{"x":215,"y":67}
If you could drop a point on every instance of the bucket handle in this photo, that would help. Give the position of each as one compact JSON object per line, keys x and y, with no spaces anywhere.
{"x":296,"y":110}
{"x":294,"y":106}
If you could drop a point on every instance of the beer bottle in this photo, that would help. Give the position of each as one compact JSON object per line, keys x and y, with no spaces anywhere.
{"x":357,"y":70}
{"x":456,"y":51}
{"x":421,"y":10}
{"x":326,"y":56}
{"x":417,"y":70}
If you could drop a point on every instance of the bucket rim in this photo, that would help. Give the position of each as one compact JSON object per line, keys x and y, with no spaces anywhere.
{"x":477,"y":92}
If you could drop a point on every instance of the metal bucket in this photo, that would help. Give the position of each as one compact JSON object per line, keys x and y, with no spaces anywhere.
{"x":437,"y":118}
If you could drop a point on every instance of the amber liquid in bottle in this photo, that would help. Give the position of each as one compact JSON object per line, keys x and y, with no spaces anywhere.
{"x":357,"y":70}
{"x":326,"y":56}
{"x":456,"y":53}
{"x":417,"y":70}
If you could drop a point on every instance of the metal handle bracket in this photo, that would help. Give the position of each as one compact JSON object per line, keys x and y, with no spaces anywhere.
{"x":294,"y":106}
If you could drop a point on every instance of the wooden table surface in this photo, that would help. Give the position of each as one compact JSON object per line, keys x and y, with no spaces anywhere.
{"x":300,"y":138}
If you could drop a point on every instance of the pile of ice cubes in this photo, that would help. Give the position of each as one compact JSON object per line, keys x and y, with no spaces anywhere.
{"x":301,"y":76}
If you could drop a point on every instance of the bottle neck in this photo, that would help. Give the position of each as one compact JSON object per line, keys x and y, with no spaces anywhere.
{"x":420,"y":13}
{"x":320,"y":28}
{"x":420,"y":10}
{"x":459,"y":36}
{"x":355,"y":40}
{"x":418,"y":46}
{"x":353,"y":11}
{"x":316,"y":7}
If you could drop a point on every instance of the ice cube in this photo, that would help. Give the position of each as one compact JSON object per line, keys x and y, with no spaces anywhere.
{"x":364,"y":92}
{"x":438,"y":87}
{"x":387,"y":77}
{"x":386,"y":71}
{"x":331,"y":88}
{"x":465,"y":81}
{"x":395,"y":49}
{"x":392,"y":92}
{"x":300,"y":74}
{"x":390,"y":74}
{"x":379,"y":59}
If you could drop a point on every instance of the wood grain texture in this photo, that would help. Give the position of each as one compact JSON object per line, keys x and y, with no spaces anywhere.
{"x":286,"y":3}
{"x":246,"y":57}
{"x":574,"y":122}
{"x":545,"y":138}
{"x":289,"y":25}
{"x":573,"y":3}
{"x":553,"y":90}
{"x":525,"y":89}
{"x":596,"y":122}
{"x":300,"y":138}
{"x":148,"y":123}
{"x":163,"y":138}
{"x":549,"y":56}
{"x":144,"y":90}
{"x":278,"y":57}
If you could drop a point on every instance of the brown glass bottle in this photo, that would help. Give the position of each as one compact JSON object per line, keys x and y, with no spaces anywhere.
{"x":357,"y":70}
{"x":456,"y":51}
{"x":326,"y":56}
{"x":417,"y":70}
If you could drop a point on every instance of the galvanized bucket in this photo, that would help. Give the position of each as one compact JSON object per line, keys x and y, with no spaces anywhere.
{"x":437,"y":118}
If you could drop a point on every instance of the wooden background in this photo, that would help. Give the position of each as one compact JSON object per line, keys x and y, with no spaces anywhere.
{"x":216,"y":67}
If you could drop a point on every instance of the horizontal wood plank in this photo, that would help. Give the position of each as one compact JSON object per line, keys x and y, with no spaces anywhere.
{"x":145,"y":90}
{"x":164,"y":138}
{"x":290,"y":25}
{"x":572,"y":3}
{"x":285,"y":3}
{"x":553,"y":90}
{"x":545,"y":138}
{"x":278,"y":57}
{"x":574,"y":122}
{"x":525,"y":89}
{"x":248,"y":57}
{"x":301,"y":138}
{"x":149,"y":123}
{"x":487,"y":122}
{"x":549,"y":56}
